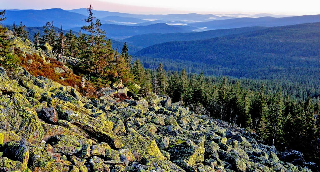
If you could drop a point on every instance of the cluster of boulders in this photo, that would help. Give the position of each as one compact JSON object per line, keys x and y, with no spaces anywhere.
{"x":45,"y":126}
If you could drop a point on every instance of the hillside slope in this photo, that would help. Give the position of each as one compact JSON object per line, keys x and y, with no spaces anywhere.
{"x":152,"y":39}
{"x":121,"y":31}
{"x":46,"y":126}
{"x":260,"y":54}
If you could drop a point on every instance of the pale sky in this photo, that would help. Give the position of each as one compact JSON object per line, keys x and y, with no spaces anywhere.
{"x":287,"y":7}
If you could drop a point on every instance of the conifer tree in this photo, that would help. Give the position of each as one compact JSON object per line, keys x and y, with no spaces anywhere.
{"x":14,"y":29}
{"x":2,"y":13}
{"x":258,"y":109}
{"x":7,"y":58}
{"x":142,"y":77}
{"x":138,"y":72}
{"x":146,"y":85}
{"x":310,"y":122}
{"x":61,"y":43}
{"x":36,"y":38}
{"x":93,"y":60}
{"x":174,"y":89}
{"x":125,"y":54}
{"x":72,"y":44}
{"x":184,"y":79}
{"x":50,"y":35}
{"x":162,"y":79}
{"x":22,"y":33}
{"x":274,"y":120}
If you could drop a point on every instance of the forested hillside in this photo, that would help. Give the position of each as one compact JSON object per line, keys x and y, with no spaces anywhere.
{"x":157,"y":38}
{"x":289,"y":53}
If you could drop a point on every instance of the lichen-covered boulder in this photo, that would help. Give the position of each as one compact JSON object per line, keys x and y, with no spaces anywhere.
{"x":7,"y":164}
{"x":49,"y":115}
{"x":142,"y":146}
{"x":71,"y":145}
{"x":97,"y":164}
{"x":186,"y":153}
{"x":17,"y":151}
{"x":99,"y":149}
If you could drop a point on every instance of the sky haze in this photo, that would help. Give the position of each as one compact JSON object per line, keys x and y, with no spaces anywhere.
{"x":283,"y":7}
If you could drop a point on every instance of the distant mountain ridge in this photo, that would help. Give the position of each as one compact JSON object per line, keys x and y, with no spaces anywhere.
{"x":116,"y":23}
{"x":38,"y":18}
{"x":262,"y":21}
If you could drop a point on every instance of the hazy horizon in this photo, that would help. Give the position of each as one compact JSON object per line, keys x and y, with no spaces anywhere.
{"x":250,"y":7}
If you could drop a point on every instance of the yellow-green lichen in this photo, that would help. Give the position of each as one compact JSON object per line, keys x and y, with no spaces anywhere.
{"x":224,"y":140}
{"x":154,"y":151}
{"x":1,"y":138}
{"x":197,"y":156}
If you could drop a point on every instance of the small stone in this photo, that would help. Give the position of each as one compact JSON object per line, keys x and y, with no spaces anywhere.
{"x":2,"y":71}
{"x":59,"y":70}
{"x":164,"y":142}
{"x":30,"y":61}
{"x":167,"y":102}
{"x":126,"y":156}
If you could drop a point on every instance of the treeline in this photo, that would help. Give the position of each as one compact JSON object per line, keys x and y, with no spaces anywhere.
{"x":275,"y":115}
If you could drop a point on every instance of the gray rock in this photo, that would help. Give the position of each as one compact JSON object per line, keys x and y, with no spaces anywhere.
{"x":17,"y":151}
{"x":2,"y":71}
{"x":4,"y":169}
{"x":292,"y":156}
{"x":166,"y":103}
{"x":49,"y":115}
{"x":164,"y":142}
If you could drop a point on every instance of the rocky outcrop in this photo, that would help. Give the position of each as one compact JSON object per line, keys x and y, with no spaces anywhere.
{"x":45,"y":126}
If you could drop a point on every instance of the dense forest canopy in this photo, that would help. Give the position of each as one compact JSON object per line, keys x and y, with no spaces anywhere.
{"x":284,"y":53}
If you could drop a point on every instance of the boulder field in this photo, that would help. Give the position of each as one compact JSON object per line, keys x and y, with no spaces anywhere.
{"x":45,"y":126}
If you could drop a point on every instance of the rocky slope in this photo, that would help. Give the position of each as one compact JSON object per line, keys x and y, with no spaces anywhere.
{"x":45,"y":126}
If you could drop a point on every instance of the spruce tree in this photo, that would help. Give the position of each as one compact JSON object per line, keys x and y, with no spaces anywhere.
{"x":7,"y":58}
{"x":72,"y":44}
{"x":146,"y":85}
{"x":20,"y":31}
{"x":184,"y":80}
{"x":61,"y":43}
{"x":2,"y":13}
{"x":162,"y":80}
{"x":36,"y":38}
{"x":138,"y":72}
{"x":125,"y":54}
{"x":50,"y":35}
{"x":174,"y":89}
{"x":274,"y":120}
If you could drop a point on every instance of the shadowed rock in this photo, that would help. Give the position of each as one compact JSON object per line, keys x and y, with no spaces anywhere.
{"x":49,"y":115}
